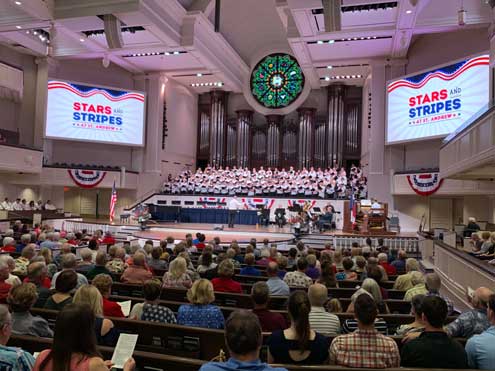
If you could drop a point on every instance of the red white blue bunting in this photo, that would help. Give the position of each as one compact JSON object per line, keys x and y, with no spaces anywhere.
{"x":425,"y":184}
{"x":212,"y":202}
{"x":252,"y":203}
{"x":86,"y":178}
{"x":291,"y":203}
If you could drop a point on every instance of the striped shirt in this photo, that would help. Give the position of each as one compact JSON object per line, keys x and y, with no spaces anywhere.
{"x":325,"y":323}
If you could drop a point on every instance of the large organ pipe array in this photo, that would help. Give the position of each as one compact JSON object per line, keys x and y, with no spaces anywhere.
{"x":335,"y":133}
{"x":273,"y":141}
{"x":331,"y":138}
{"x":306,"y":136}
{"x":218,"y":127}
{"x":244,"y":123}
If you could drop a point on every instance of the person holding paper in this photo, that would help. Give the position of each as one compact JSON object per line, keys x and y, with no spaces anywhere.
{"x":103,"y":282}
{"x":74,"y":344}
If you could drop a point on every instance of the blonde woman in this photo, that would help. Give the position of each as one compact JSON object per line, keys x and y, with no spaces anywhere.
{"x":177,"y":276}
{"x":201,"y":313}
{"x":105,"y":332}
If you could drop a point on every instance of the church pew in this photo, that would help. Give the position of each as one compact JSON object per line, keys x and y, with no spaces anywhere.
{"x":183,"y":341}
{"x":162,"y":362}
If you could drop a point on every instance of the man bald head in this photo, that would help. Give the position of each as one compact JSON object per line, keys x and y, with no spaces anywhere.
{"x":318,"y":294}
{"x":480,"y":297}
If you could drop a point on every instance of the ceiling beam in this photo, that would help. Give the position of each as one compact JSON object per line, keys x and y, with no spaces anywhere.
{"x":205,"y":6}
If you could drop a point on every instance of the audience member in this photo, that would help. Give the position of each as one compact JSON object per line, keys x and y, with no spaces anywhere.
{"x":51,"y":267}
{"x":433,"y":283}
{"x":117,"y":265}
{"x":298,"y":344}
{"x":327,"y":276}
{"x":244,"y":339}
{"x":66,"y":283}
{"x":416,"y":311}
{"x":103,"y":282}
{"x":22,"y":262}
{"x":177,"y":276}
{"x":320,"y":320}
{"x":312,"y":271}
{"x":106,"y":334}
{"x":249,"y":269}
{"x":403,"y":282}
{"x":99,"y":267}
{"x":480,"y":348}
{"x":299,"y":278}
{"x":74,"y":344}
{"x":69,"y":262}
{"x":365,"y":347}
{"x":13,"y":279}
{"x":282,"y":266}
{"x":86,"y":263}
{"x":433,"y":348}
{"x":276,"y":286}
{"x":400,"y":263}
{"x":206,"y":261}
{"x":347,"y":274}
{"x":471,"y":228}
{"x":156,"y":262}
{"x":4,"y":286}
{"x":37,"y":276}
{"x":20,"y":300}
{"x":224,"y":281}
{"x":136,"y":272}
{"x":150,"y":310}
{"x":200,"y":312}
{"x":473,"y":321}
{"x":334,"y":306}
{"x":269,"y":321}
{"x":383,"y":261}
{"x":419,"y":288}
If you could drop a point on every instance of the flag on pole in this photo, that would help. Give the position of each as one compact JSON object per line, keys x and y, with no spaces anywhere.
{"x":113,"y":202}
{"x":352,"y":208}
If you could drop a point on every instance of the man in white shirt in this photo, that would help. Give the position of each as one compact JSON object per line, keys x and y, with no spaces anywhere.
{"x":320,"y":320}
{"x":17,"y":205}
{"x":50,"y":206}
{"x":6,"y":205}
{"x":233,"y":205}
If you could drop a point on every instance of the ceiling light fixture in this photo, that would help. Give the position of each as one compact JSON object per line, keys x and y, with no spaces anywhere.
{"x":18,"y":27}
{"x":408,"y":11}
{"x":327,"y":78}
{"x":329,"y":67}
{"x":17,"y":3}
{"x":319,"y":42}
{"x":81,"y":40}
{"x":199,"y":74}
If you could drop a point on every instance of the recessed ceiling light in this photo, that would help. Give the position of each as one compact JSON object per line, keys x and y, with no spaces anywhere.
{"x":17,"y":3}
{"x":331,"y":41}
{"x":329,"y":67}
{"x":81,"y":40}
{"x":319,"y":42}
{"x":18,"y":27}
{"x":408,"y":11}
{"x":327,"y":78}
{"x":176,"y":53}
{"x":199,"y":74}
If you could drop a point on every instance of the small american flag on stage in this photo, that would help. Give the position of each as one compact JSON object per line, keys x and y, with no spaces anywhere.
{"x":113,"y":202}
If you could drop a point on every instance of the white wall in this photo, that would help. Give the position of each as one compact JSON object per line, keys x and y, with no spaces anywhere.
{"x":182,"y":121}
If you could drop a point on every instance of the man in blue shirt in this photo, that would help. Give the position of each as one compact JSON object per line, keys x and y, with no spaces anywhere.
{"x":480,"y":349}
{"x":11,"y":358}
{"x":249,"y":269}
{"x":276,"y":285}
{"x":244,"y":339}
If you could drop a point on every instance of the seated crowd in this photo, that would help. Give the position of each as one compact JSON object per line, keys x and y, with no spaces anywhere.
{"x":308,"y":332}
{"x":315,"y":183}
{"x":483,"y":245}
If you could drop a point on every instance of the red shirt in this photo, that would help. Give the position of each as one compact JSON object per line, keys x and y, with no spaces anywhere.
{"x":111,"y":309}
{"x":108,"y":241}
{"x":8,"y":249}
{"x":4,"y":291}
{"x":226,"y":285}
{"x":270,"y":321}
{"x":46,"y":283}
{"x":390,"y":269}
{"x":200,"y":245}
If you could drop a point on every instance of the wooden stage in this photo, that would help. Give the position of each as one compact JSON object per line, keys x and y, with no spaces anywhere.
{"x":240,"y":233}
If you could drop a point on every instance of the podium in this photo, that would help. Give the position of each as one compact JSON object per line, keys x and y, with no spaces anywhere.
{"x":369,"y":221}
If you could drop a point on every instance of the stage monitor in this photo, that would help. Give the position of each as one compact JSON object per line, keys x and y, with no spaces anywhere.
{"x":80,"y":112}
{"x":437,"y":102}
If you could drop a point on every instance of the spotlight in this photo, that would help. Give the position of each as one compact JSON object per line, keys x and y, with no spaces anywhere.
{"x":329,"y":67}
{"x":327,"y":78}
{"x":319,"y":42}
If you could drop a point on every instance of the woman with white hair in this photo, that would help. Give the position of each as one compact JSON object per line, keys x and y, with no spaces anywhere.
{"x":471,"y":228}
{"x":177,"y":276}
{"x":13,"y":279}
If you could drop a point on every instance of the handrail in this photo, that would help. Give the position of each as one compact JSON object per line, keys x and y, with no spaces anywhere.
{"x":481,"y":114}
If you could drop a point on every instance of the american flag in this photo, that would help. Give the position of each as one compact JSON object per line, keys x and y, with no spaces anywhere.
{"x":113,"y":202}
